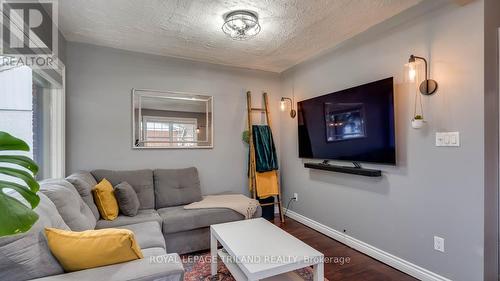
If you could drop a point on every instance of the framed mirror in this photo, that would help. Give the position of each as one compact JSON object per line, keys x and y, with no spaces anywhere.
{"x":171,"y":120}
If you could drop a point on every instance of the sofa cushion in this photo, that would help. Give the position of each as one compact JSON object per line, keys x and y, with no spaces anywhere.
{"x":140,"y":180}
{"x":105,"y":199}
{"x":165,"y":268}
{"x":27,"y":256}
{"x":174,"y":187}
{"x":142,"y":216}
{"x":75,"y":213}
{"x":152,"y":252}
{"x":127,"y":199}
{"x":177,"y":219}
{"x":147,"y":234}
{"x":84,"y":182}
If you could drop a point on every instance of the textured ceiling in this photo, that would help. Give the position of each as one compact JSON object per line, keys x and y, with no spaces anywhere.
{"x":292,"y":30}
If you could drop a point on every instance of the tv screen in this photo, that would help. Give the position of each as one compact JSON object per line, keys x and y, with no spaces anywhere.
{"x":355,"y":124}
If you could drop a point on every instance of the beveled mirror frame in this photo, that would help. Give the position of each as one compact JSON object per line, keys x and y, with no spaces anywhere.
{"x":139,"y":93}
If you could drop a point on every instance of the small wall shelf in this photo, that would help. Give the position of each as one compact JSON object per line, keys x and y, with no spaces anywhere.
{"x":357,"y":170}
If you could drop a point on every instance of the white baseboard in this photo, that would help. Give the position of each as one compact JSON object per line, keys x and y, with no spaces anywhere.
{"x":387,"y":258}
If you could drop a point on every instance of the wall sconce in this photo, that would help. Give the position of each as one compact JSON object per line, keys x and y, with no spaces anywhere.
{"x":428,"y":86}
{"x":293,"y":113}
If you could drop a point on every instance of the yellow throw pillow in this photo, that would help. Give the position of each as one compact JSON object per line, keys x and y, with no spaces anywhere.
{"x":105,"y":200}
{"x":92,"y":248}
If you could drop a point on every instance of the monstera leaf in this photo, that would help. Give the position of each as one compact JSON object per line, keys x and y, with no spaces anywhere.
{"x":15,"y":216}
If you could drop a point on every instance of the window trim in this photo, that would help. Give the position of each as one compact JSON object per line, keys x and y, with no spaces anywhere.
{"x":58,"y":122}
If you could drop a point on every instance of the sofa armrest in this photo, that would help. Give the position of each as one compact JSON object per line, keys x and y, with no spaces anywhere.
{"x":158,"y":268}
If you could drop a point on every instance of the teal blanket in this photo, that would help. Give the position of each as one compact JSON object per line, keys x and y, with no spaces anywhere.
{"x":265,"y":151}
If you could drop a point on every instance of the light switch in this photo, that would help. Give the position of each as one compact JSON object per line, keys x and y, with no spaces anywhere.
{"x":447,"y":139}
{"x":453,"y":139}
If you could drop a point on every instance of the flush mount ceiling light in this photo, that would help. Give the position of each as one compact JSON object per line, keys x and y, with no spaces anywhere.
{"x":241,"y":25}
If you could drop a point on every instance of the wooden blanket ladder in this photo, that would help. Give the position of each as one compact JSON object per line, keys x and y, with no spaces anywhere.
{"x":252,"y":184}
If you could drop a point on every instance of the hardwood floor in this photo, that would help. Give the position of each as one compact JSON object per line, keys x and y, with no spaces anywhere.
{"x":360,"y":267}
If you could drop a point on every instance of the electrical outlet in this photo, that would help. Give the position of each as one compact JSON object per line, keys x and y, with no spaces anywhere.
{"x":439,"y":244}
{"x":296,"y":197}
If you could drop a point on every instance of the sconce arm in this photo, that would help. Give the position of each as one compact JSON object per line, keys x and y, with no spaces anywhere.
{"x":430,"y":85}
{"x":413,"y":58}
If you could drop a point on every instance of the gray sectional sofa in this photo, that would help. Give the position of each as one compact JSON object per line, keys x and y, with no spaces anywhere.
{"x":161,"y":226}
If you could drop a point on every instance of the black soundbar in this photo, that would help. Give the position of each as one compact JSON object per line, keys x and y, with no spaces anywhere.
{"x":344,"y":169}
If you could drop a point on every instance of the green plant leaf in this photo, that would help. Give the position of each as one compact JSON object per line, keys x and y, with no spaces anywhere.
{"x":8,"y":142}
{"x":27,"y":194}
{"x":23,"y":175}
{"x":15,"y":216}
{"x":245,"y":136}
{"x":20,"y":160}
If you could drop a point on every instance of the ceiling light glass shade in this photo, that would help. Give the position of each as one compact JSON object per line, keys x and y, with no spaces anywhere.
{"x":241,"y":25}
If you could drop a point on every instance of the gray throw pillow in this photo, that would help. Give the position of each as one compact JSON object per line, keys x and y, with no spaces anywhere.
{"x":128,"y":202}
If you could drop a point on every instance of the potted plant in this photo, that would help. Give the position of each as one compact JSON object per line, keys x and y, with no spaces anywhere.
{"x":245,"y":137}
{"x":15,"y":216}
{"x":417,"y":122}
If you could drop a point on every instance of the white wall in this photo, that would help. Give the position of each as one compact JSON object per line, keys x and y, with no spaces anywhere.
{"x":99,"y":112}
{"x":432,"y":191}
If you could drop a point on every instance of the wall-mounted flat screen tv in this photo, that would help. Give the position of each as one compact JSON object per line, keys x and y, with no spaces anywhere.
{"x":355,"y":124}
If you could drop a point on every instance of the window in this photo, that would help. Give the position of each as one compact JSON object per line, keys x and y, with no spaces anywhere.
{"x":171,"y":131}
{"x":32,"y":109}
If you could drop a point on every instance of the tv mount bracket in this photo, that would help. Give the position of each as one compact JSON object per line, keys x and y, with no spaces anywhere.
{"x":356,"y":164}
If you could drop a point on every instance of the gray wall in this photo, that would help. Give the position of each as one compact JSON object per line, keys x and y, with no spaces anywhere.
{"x":432,"y":191}
{"x":491,"y":92}
{"x":99,"y":125}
